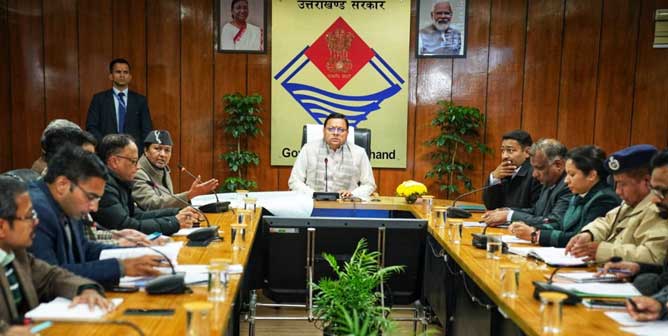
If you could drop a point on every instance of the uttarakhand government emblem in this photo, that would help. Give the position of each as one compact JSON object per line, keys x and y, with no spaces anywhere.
{"x":339,"y":54}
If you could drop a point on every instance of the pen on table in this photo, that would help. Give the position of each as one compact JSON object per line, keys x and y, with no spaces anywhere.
{"x":42,"y":326}
{"x":633,"y":304}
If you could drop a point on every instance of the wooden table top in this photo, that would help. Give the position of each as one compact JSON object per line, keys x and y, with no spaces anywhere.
{"x":524,"y":310}
{"x":175,"y":324}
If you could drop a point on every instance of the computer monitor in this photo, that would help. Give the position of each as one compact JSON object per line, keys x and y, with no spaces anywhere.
{"x":285,"y":276}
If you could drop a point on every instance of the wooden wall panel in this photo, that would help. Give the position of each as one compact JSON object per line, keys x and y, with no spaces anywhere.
{"x":197,"y":87}
{"x":434,"y":84}
{"x":230,"y":77}
{"x":61,"y":75}
{"x":391,"y":178}
{"x":577,"y":99}
{"x":504,"y":87}
{"x":542,"y":68}
{"x":650,"y":112}
{"x":94,"y":52}
{"x":614,"y":101}
{"x":27,"y":79}
{"x":129,"y":38}
{"x":470,"y":76}
{"x":163,"y":52}
{"x":259,"y":81}
{"x":5,"y":93}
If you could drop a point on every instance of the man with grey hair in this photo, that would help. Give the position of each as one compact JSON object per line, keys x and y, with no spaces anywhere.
{"x":439,"y":38}
{"x":40,"y":164}
{"x":547,"y":158}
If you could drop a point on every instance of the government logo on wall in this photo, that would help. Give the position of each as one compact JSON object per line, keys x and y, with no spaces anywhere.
{"x":349,"y":57}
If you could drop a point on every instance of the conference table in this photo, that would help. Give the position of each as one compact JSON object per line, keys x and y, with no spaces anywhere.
{"x":523,"y":311}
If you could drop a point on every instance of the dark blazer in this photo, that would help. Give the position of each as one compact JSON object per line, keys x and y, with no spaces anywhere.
{"x":117,"y":211}
{"x":101,"y":118}
{"x":49,"y":243}
{"x":521,"y":191}
{"x":581,"y":211}
{"x":40,"y":282}
{"x":549,"y":208}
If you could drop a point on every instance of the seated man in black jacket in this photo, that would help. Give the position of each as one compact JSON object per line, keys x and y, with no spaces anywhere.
{"x":513,"y":184}
{"x":548,"y":159}
{"x":117,"y":208}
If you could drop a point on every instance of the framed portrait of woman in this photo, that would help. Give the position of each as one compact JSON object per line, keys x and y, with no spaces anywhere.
{"x":241,"y":26}
{"x":441,"y":27}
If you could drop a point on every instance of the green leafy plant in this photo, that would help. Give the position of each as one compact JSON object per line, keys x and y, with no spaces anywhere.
{"x":242,"y":122}
{"x":459,"y":132}
{"x":350,"y":305}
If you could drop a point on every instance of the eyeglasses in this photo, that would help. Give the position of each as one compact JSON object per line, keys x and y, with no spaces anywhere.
{"x":133,"y":161}
{"x":92,"y":197}
{"x":32,"y":216}
{"x":336,"y":130}
{"x":659,"y":192}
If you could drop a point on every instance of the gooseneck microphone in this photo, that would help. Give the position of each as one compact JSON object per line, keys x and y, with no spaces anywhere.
{"x":164,"y":284}
{"x":217,"y":207}
{"x":326,"y":160}
{"x":454,"y":212}
{"x":157,"y":187}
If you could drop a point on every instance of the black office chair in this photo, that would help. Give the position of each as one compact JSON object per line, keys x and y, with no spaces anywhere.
{"x":362,"y":139}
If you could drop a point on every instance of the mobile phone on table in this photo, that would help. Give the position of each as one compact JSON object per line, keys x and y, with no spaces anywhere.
{"x":154,"y":236}
{"x":153,"y":312}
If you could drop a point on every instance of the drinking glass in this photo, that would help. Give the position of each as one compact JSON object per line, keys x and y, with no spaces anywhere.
{"x":198,"y":315}
{"x":494,"y":245}
{"x":551,"y":305}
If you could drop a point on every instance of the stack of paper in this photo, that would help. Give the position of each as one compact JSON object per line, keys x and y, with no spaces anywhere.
{"x":651,"y":328}
{"x":509,"y":239}
{"x":582,"y":277}
{"x":555,"y":257}
{"x":171,"y":250}
{"x":607,"y":290}
{"x":58,"y":310}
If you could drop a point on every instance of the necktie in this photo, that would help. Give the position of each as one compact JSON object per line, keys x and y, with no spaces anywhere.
{"x":121,"y":112}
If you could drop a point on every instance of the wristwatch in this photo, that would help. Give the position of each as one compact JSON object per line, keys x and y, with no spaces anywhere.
{"x":534,"y":236}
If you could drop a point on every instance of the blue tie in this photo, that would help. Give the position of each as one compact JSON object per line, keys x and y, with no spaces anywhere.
{"x":121,"y":112}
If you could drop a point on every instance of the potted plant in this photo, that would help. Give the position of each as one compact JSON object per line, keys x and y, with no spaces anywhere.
{"x":242,"y":122}
{"x":351,"y":304}
{"x":459,"y":131}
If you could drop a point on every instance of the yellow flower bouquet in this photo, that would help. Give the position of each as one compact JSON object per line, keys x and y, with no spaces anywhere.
{"x":411,"y":190}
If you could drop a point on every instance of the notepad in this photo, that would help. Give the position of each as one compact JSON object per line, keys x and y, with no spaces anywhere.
{"x":552,"y":256}
{"x":58,"y":310}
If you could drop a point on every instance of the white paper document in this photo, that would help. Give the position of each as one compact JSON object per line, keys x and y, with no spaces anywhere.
{"x":582,"y":277}
{"x":609,"y":290}
{"x":550,"y":255}
{"x":473,"y":224}
{"x":185,"y":231}
{"x":510,"y":239}
{"x":194,"y":274}
{"x":171,"y":250}
{"x":279,"y":203}
{"x":650,"y":328}
{"x":58,"y":310}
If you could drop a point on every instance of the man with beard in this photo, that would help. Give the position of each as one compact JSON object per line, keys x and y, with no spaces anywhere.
{"x":649,"y":281}
{"x":154,"y":169}
{"x":632,"y":231}
{"x":439,"y":38}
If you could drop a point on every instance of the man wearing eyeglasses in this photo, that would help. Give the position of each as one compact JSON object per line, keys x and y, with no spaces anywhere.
{"x":117,"y":210}
{"x":24,"y":279}
{"x":333,"y":165}
{"x":633,"y":231}
{"x":71,"y":189}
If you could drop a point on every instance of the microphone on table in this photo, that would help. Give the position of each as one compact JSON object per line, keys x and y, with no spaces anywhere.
{"x":164,"y":284}
{"x":200,"y":237}
{"x":217,"y":207}
{"x":326,"y":160}
{"x":454,"y":212}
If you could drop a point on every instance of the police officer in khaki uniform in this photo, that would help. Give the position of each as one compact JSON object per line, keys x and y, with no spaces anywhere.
{"x":633,"y":231}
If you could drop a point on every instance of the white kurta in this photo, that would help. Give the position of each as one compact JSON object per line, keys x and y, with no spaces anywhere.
{"x":251,"y":39}
{"x":305,"y":178}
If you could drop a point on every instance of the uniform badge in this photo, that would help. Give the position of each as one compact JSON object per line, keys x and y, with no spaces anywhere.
{"x":157,"y":137}
{"x":613,"y":164}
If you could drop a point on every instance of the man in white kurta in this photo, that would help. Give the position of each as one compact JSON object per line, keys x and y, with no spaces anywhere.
{"x":332,"y":164}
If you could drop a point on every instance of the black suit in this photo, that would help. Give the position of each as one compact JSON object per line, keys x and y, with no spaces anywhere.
{"x":521,"y":191}
{"x":102,"y":116}
{"x":550,"y":206}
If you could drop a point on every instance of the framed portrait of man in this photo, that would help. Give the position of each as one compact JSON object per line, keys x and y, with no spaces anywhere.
{"x":241,"y":26}
{"x":441,"y":28}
